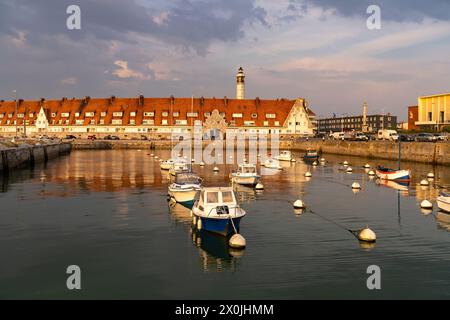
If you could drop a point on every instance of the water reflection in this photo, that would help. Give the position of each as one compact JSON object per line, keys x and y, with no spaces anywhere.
{"x":443,"y":220}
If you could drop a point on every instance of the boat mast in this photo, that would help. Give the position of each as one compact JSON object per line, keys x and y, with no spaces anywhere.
{"x":399,"y":152}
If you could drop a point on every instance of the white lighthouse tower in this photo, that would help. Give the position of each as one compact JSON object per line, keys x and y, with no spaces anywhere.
{"x":240,"y":84}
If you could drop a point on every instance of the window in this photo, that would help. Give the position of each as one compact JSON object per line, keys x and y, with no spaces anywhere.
{"x":102,"y":121}
{"x":20,"y":115}
{"x":31,"y":115}
{"x":149,"y":114}
{"x":117,"y":114}
{"x":430,"y":116}
{"x":79,"y":122}
{"x":132,"y":121}
{"x":254,"y":115}
{"x":227,"y":196}
{"x":148,"y":122}
{"x":176,"y":114}
{"x":207,"y":114}
{"x":249,"y":123}
{"x":65,"y":115}
{"x":266,"y":123}
{"x":92,"y":121}
{"x":181,"y":122}
{"x":237,"y":115}
{"x":77,"y":114}
{"x":165,"y":114}
{"x":441,"y":117}
{"x":2,"y":115}
{"x":10,"y":115}
{"x":116,"y":121}
{"x":277,"y":123}
{"x":89,"y":114}
{"x":222,"y":114}
{"x":270,"y":116}
{"x":103,"y":114}
{"x":212,"y":197}
{"x":164,"y":122}
{"x":232,"y":123}
{"x":132,"y":114}
{"x":192,"y":114}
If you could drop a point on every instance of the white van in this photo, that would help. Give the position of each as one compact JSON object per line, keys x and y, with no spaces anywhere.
{"x":337,"y":136}
{"x":386,"y":134}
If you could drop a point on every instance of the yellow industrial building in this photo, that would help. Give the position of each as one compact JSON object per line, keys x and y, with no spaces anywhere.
{"x":434,"y":111}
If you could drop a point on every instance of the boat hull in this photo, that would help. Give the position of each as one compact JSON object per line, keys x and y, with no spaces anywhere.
{"x":245,"y":181}
{"x":281,"y":158}
{"x":221,"y":226}
{"x":165,"y":166}
{"x":184,"y":197}
{"x":443,"y":203}
{"x":397,"y":175}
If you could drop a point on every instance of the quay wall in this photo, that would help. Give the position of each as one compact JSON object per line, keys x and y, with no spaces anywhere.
{"x":432,"y":153}
{"x":19,"y":157}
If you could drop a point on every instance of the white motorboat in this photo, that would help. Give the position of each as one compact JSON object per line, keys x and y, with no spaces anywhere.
{"x":246,"y":175}
{"x":217,"y":210}
{"x":272,"y":164}
{"x":179,"y":167}
{"x":185,"y":187}
{"x":284,"y":155}
{"x":443,"y":202}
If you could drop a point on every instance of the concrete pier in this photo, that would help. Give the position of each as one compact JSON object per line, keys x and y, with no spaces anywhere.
{"x":19,"y":157}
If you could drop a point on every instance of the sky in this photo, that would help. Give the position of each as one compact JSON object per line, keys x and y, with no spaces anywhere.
{"x":320,"y":50}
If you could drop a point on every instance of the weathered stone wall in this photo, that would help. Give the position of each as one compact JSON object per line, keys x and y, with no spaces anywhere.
{"x":13,"y":158}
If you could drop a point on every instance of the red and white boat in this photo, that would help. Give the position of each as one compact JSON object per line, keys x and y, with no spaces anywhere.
{"x":391,"y":174}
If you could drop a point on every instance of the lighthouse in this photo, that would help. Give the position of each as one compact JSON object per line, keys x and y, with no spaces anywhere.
{"x":240,"y":84}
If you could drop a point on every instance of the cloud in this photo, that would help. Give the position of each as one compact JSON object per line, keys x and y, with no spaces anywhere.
{"x":124,"y":72}
{"x":69,"y":81}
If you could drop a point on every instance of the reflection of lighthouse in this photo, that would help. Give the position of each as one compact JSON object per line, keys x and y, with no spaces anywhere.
{"x":240,"y":84}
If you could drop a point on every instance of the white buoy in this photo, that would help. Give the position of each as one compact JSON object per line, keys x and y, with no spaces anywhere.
{"x":298,"y":204}
{"x":185,"y":157}
{"x":315,"y":163}
{"x":371,"y":173}
{"x":245,"y":160}
{"x":322,"y":160}
{"x":259,"y":155}
{"x":293,"y":160}
{"x":237,"y":241}
{"x":367,"y":166}
{"x":215,"y":169}
{"x":259,"y":186}
{"x":151,"y":154}
{"x":308,"y":174}
{"x":425,"y":204}
{"x":202,"y":164}
{"x":349,"y":169}
{"x":199,"y":224}
{"x":139,"y":150}
{"x":156,"y":157}
{"x":430,"y":175}
{"x":424,"y":183}
{"x":192,"y":160}
{"x":356,"y":185}
{"x":367,"y":235}
{"x":345,"y":163}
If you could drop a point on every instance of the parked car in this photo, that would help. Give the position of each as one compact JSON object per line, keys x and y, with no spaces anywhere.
{"x":337,"y":136}
{"x":440,"y":137}
{"x":92,"y":137}
{"x":110,"y":137}
{"x":425,"y":137}
{"x":359,"y":136}
{"x":406,"y":137}
{"x":144,"y":137}
{"x":70,"y":137}
{"x":387,"y":134}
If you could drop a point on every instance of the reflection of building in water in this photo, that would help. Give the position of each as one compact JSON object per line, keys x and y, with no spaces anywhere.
{"x":214,"y":251}
{"x":426,"y":193}
{"x":244,"y":194}
{"x":180,"y":213}
{"x":443,"y":220}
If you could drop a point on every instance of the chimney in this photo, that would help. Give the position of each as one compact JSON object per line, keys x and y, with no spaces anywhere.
{"x":257,"y":102}
{"x":141,"y":100}
{"x":111,"y":99}
{"x":225,"y":101}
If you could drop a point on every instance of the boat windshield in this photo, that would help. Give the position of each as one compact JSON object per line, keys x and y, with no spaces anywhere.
{"x":212,"y":197}
{"x":227,"y":196}
{"x":188,"y":179}
{"x":248,"y":170}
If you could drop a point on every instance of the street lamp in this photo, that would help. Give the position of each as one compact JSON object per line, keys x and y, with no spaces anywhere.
{"x":16,"y":106}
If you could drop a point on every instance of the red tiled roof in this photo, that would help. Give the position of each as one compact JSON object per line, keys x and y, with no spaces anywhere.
{"x":280,"y":108}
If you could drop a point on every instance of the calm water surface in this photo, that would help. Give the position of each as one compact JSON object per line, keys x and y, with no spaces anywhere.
{"x":107,"y":212}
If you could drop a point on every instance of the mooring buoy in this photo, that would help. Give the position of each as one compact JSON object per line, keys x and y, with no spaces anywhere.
{"x":356,"y":185}
{"x":430,"y":175}
{"x":259,"y":186}
{"x":424,"y":183}
{"x":237,"y":241}
{"x":349,"y":169}
{"x":298,"y":204}
{"x":322,"y":160}
{"x":192,"y":160}
{"x":345,"y":163}
{"x":367,"y":166}
{"x":293,"y":160}
{"x":371,"y":173}
{"x":315,"y":163}
{"x":156,"y":157}
{"x":425,"y":204}
{"x":202,"y":164}
{"x":151,"y":154}
{"x":367,"y":235}
{"x":308,"y":174}
{"x":215,"y":169}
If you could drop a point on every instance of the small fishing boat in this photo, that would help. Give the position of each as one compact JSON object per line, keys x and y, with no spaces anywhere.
{"x":311,"y":155}
{"x":167,"y":164}
{"x":185,"y":187}
{"x":217,"y":210}
{"x":284,"y":155}
{"x":246,"y":175}
{"x":179,"y":166}
{"x":392,"y":174}
{"x":443,"y":202}
{"x":272,"y":164}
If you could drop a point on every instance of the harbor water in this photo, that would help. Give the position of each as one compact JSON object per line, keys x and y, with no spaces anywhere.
{"x":107,"y":212}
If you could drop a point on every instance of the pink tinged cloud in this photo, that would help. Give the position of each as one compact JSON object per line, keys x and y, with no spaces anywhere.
{"x":124,"y":72}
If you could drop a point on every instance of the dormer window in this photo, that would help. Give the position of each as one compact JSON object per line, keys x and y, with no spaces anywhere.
{"x":132,"y":114}
{"x":103,"y":114}
{"x":20,"y":115}
{"x":149,"y":114}
{"x":165,"y":114}
{"x":77,"y":114}
{"x":271,"y":115}
{"x":117,"y":114}
{"x":254,"y":115}
{"x":176,"y":114}
{"x":53,"y":114}
{"x":65,"y":115}
{"x":89,"y":114}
